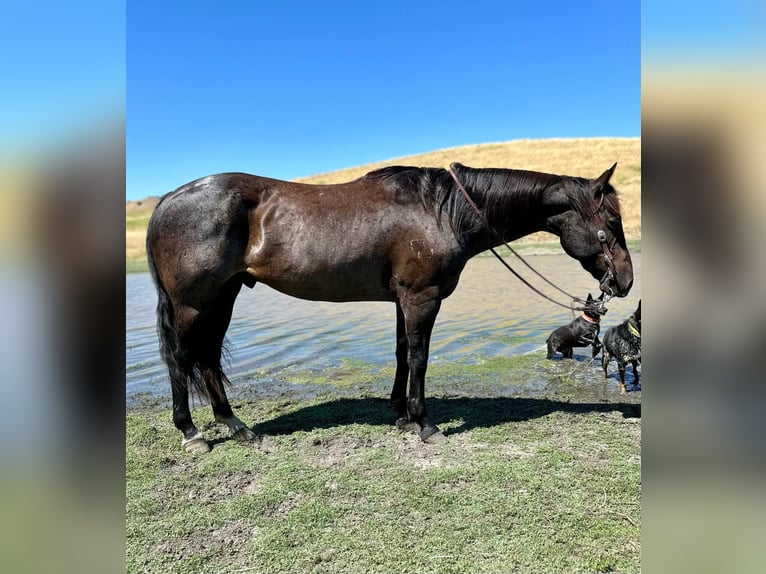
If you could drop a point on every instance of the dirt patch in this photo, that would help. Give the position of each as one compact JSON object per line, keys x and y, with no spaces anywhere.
{"x":238,"y":483}
{"x":334,"y":452}
{"x":412,"y":451}
{"x":230,"y":542}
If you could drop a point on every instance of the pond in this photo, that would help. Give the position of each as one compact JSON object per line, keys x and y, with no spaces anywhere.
{"x":274,"y":338}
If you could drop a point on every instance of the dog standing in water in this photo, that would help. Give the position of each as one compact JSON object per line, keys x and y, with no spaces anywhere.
{"x":623,"y":342}
{"x":581,"y":332}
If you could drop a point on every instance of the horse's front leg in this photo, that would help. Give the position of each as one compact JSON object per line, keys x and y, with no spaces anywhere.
{"x":419,"y":322}
{"x":399,"y":391}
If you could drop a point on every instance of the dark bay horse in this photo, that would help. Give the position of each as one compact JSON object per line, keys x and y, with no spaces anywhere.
{"x":399,"y":234}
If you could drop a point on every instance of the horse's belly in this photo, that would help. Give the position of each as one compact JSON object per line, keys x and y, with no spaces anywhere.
{"x":327,"y":280}
{"x":323,"y":288}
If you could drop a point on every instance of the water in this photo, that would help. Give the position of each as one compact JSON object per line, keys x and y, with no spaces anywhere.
{"x":490,"y":314}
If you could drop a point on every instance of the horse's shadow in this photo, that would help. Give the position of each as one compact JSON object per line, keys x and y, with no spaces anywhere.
{"x":473,"y":412}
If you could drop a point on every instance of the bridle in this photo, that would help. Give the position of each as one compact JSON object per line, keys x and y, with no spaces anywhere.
{"x":607,"y":253}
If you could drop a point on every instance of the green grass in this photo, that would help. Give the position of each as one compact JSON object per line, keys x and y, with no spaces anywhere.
{"x":138,"y":219}
{"x":136,"y":265}
{"x":549,"y":483}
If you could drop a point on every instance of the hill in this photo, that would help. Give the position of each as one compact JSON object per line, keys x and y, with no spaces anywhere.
{"x":586,"y":157}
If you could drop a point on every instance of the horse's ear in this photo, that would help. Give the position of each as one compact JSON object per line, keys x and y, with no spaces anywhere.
{"x":590,"y":297}
{"x":455,"y":165}
{"x":604,"y":178}
{"x":601,"y":297}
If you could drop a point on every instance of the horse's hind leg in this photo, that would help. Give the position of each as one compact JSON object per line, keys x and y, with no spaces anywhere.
{"x":195,"y":361}
{"x":182,"y":373}
{"x":399,"y":391}
{"x":213,"y":328}
{"x":193,"y":440}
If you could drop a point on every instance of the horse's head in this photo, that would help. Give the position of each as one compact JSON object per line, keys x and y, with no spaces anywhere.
{"x":585,"y":214}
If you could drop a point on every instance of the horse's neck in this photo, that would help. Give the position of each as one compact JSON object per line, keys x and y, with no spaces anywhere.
{"x":510,"y":208}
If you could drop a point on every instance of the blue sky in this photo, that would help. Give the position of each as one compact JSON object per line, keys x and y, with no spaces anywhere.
{"x":289,"y":89}
{"x":63,"y":70}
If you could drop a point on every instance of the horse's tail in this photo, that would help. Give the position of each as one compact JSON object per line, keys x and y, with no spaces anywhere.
{"x":183,"y":369}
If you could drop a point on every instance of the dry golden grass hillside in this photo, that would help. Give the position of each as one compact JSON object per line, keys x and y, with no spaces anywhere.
{"x":585,"y":157}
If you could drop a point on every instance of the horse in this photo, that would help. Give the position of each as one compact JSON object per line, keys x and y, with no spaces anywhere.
{"x":400,"y":234}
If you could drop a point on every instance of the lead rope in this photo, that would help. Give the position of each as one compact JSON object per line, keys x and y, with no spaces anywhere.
{"x":500,"y":258}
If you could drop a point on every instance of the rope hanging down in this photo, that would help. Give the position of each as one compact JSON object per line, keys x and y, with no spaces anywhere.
{"x":505,"y":263}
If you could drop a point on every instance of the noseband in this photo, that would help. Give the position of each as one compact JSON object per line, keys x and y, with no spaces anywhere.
{"x":610,"y":272}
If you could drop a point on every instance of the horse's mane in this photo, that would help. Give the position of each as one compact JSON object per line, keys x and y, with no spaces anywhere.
{"x":502,"y":191}
{"x":432,"y":187}
{"x":505,"y":190}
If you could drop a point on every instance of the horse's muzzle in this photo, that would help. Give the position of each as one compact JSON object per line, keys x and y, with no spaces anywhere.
{"x":616,"y":286}
{"x":618,"y":278}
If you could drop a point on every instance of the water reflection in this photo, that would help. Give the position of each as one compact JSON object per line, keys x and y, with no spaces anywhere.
{"x":490,"y":314}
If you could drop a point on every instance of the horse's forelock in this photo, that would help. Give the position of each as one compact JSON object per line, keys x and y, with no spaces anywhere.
{"x":586,"y":204}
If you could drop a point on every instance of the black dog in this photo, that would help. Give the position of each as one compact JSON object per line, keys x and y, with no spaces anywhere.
{"x":623,"y":342}
{"x":581,"y":332}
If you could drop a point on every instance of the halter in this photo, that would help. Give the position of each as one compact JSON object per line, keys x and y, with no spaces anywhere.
{"x":601,"y":237}
{"x":607,"y":252}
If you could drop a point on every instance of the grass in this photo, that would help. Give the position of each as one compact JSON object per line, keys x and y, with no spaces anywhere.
{"x":549,"y":483}
{"x":137,"y":265}
{"x":580,"y":157}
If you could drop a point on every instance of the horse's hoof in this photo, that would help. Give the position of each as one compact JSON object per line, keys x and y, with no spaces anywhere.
{"x":407,"y":425}
{"x":196,"y":445}
{"x":433,"y":436}
{"x":244,"y":435}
